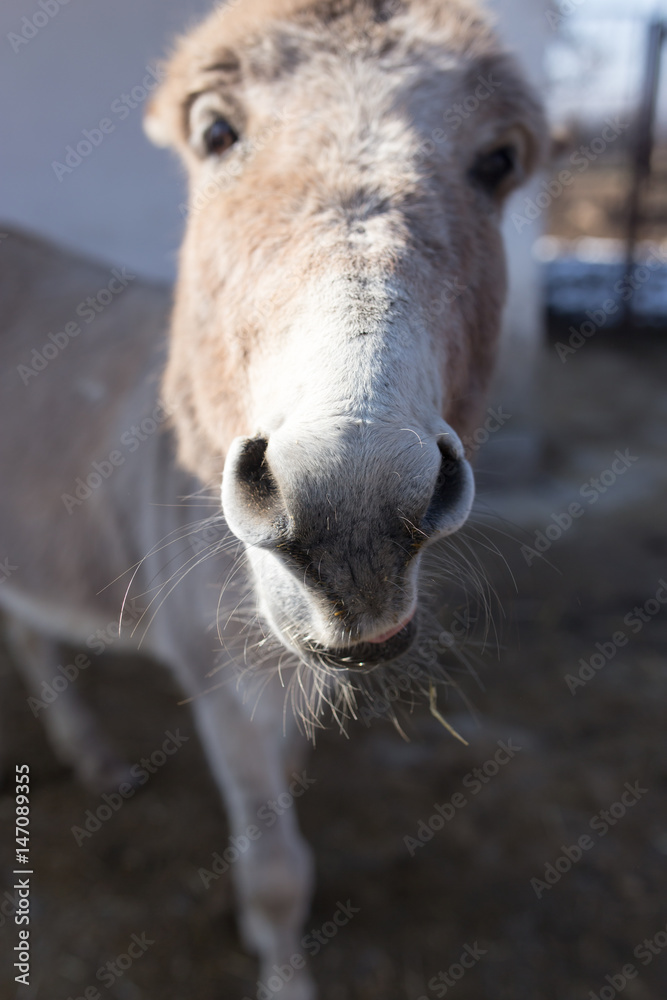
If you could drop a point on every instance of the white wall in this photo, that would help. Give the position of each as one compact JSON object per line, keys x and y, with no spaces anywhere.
{"x":121,"y":202}
{"x":526,"y":31}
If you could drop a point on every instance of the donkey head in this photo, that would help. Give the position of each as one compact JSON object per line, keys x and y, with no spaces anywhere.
{"x":340,"y":291}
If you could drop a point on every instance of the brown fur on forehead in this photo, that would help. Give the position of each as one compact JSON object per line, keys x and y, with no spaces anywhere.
{"x":460,"y":22}
{"x":251,"y":38}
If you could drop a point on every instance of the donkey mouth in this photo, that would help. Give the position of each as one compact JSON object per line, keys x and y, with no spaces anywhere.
{"x":364,"y":655}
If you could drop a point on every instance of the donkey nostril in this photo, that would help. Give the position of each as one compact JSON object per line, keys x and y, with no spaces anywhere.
{"x":252,"y":469}
{"x":452,"y":495}
{"x":251,"y":500}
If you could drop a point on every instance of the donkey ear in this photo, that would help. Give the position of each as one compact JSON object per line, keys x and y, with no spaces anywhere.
{"x":155,"y":126}
{"x":163,"y":115}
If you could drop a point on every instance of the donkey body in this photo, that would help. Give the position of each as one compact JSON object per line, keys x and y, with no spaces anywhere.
{"x":334,"y":329}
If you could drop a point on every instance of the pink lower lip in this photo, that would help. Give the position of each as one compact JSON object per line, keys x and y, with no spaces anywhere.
{"x":393,"y":631}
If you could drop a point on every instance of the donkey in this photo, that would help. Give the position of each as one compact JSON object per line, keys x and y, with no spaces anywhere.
{"x":333,"y":332}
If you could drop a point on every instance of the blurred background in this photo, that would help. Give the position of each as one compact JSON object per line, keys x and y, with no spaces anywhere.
{"x":581,"y":388}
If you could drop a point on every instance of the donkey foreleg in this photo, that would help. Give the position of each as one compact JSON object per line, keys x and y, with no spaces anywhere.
{"x":273,"y":871}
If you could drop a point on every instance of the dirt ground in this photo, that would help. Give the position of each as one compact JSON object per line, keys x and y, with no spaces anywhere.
{"x":470,"y":884}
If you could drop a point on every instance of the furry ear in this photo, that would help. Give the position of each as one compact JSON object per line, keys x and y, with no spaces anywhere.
{"x":155,"y":127}
{"x":163,"y":115}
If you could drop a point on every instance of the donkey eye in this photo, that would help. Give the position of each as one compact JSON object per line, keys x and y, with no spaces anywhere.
{"x":491,"y":169}
{"x":218,"y":137}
